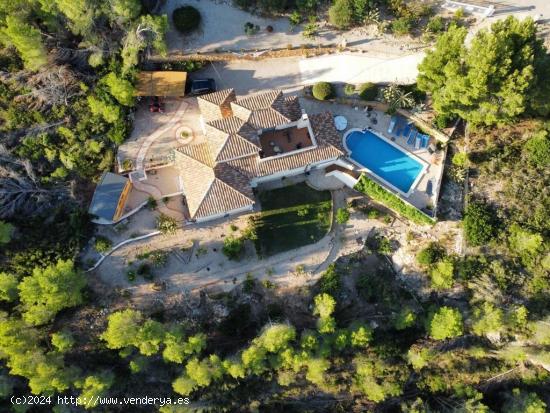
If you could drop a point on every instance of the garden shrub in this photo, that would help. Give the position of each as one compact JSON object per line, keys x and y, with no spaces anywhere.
{"x":102,"y":244}
{"x":379,"y":194}
{"x":166,"y":224}
{"x":322,"y":91}
{"x":186,"y":19}
{"x":431,"y":254}
{"x":442,"y":274}
{"x":401,"y":26}
{"x":368,"y":91}
{"x":251,"y":29}
{"x":330,"y":280}
{"x":341,"y":14}
{"x":436,"y":24}
{"x":342,"y":215}
{"x":349,"y":89}
{"x":233,"y":247}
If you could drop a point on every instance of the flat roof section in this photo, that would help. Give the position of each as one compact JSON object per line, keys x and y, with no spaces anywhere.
{"x":161,"y":83}
{"x":106,"y":195}
{"x":281,"y":141}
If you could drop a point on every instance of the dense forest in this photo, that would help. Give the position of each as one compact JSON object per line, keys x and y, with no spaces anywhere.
{"x":360,"y":339}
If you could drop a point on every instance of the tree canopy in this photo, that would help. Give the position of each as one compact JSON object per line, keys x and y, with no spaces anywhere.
{"x":502,"y":75}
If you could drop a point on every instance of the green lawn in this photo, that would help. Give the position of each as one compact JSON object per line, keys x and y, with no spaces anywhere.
{"x":292,"y":217}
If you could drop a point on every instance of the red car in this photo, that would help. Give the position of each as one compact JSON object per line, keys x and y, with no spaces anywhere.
{"x":156,"y":105}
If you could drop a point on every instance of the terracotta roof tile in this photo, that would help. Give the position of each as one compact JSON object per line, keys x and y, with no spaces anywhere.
{"x":220,"y":97}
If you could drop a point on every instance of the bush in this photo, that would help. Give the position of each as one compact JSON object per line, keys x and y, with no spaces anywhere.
{"x":401,"y":26}
{"x":368,"y":91}
{"x":442,"y":120}
{"x":444,"y":323}
{"x":479,"y":224}
{"x":186,"y":19}
{"x":379,"y":194}
{"x":322,"y":91}
{"x":341,"y":14}
{"x":330,"y":280}
{"x":442,"y":274}
{"x":436,"y":24}
{"x":349,"y":89}
{"x":431,"y":254}
{"x":102,"y":244}
{"x":537,"y":150}
{"x":342,"y":215}
{"x":251,"y":29}
{"x":166,"y":224}
{"x":233,"y":247}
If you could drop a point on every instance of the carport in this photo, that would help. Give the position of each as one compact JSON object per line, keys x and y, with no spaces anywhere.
{"x":162,"y":84}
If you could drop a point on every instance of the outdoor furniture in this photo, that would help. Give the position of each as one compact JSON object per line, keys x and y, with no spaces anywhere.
{"x":425,"y":141}
{"x":340,"y":122}
{"x":276,"y":149}
{"x":407,"y":130}
{"x":417,"y":141}
{"x":429,"y":188}
{"x":393,"y":121}
{"x":432,"y":148}
{"x":412,"y":135}
{"x":271,"y":143}
{"x":374,"y":121}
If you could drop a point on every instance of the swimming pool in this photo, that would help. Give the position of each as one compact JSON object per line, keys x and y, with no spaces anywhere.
{"x":386,"y":161}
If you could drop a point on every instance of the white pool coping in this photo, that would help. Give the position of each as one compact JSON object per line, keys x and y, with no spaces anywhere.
{"x":363,"y":168}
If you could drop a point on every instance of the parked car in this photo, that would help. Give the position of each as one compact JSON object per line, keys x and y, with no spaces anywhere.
{"x":156,"y":104}
{"x":202,"y":86}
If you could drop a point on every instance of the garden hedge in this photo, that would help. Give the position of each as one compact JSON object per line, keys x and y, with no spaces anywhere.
{"x":379,"y":194}
{"x":322,"y":91}
{"x":368,"y":91}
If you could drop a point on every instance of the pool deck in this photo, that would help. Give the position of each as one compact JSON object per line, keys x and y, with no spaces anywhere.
{"x":358,"y":119}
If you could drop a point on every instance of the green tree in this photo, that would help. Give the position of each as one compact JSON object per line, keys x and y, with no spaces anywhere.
{"x":431,"y":254}
{"x":95,"y":386}
{"x":316,"y":370}
{"x":276,"y":337}
{"x":126,"y":10}
{"x":479,"y":225}
{"x":442,"y":274}
{"x":27,"y":40}
{"x":109,"y":112}
{"x":8,"y":287}
{"x":122,"y":328}
{"x":63,"y":341}
{"x":341,"y":14}
{"x":6,"y":231}
{"x":444,"y":323}
{"x":502,"y":75}
{"x":121,"y":89}
{"x":80,"y":15}
{"x":405,"y":318}
{"x":148,"y":31}
{"x":377,"y":379}
{"x":487,"y":319}
{"x":50,"y":290}
{"x":521,"y":402}
{"x":361,"y":335}
{"x":324,"y":306}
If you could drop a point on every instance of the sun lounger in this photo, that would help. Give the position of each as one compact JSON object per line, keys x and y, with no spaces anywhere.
{"x":393,"y":121}
{"x":412,"y":135}
{"x":417,"y":142}
{"x":425,"y":141}
{"x":398,"y":130}
{"x":407,"y":130}
{"x":429,"y":188}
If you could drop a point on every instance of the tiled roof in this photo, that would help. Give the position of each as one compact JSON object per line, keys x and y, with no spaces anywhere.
{"x":221,"y":198}
{"x":231,"y":138}
{"x":266,"y":118}
{"x":220,"y":97}
{"x":291,"y":109}
{"x":216,"y":175}
{"x":260,"y":100}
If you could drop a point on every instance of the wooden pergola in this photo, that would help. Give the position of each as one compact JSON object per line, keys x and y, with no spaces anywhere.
{"x":161,"y":83}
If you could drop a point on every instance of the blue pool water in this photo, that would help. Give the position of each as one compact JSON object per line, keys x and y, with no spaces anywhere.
{"x":388,"y":162}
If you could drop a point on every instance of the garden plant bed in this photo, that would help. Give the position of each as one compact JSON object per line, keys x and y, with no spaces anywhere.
{"x":292,"y":217}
